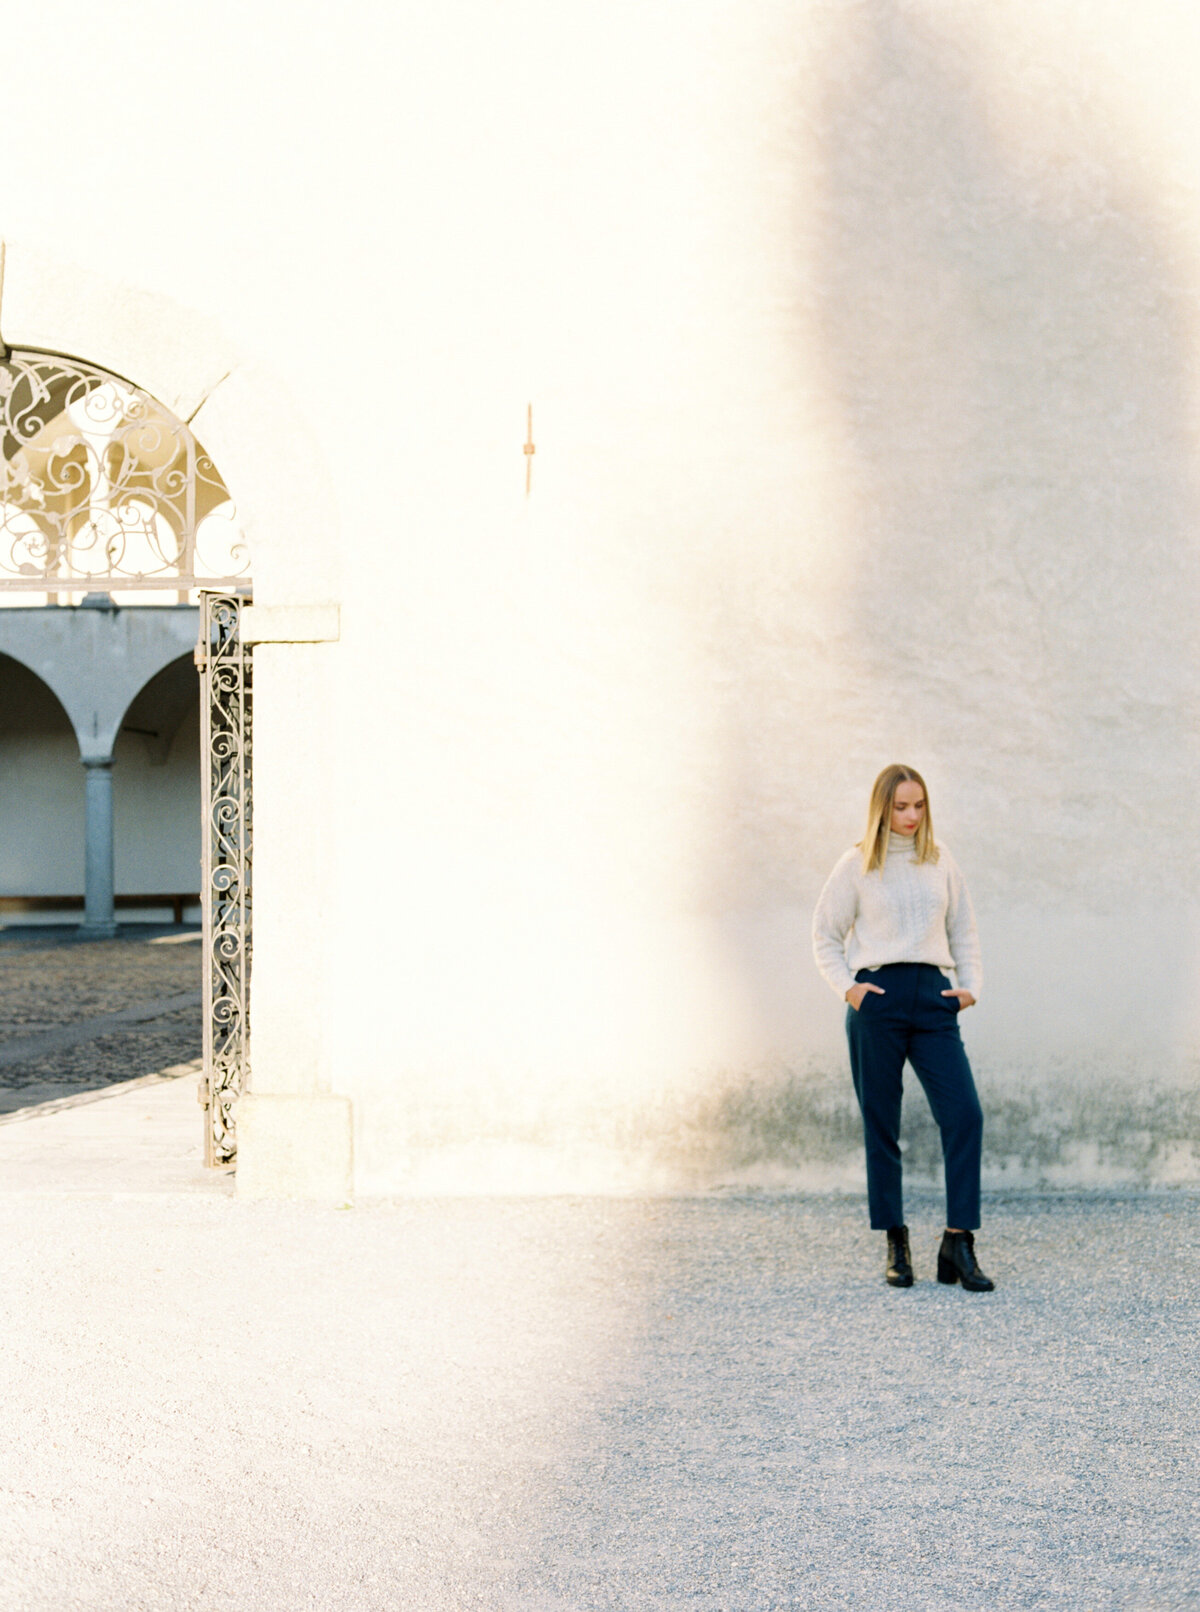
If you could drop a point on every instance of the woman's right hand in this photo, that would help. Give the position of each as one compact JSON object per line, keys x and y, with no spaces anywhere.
{"x":856,"y":993}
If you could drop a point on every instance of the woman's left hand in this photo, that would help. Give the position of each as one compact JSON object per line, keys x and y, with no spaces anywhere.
{"x":965,"y":999}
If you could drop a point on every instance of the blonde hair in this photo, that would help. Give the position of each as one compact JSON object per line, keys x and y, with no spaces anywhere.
{"x":874,"y":842}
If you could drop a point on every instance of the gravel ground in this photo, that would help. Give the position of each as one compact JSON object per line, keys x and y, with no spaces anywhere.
{"x":51,"y":980}
{"x":555,"y":1405}
{"x":567,"y":1405}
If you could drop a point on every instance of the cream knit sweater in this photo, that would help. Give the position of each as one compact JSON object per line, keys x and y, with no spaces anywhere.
{"x":905,"y":912}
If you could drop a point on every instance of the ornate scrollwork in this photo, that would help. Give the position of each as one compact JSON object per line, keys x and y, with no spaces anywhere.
{"x":226,"y":717}
{"x":101,"y":487}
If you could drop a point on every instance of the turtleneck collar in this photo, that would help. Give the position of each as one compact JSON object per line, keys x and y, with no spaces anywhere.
{"x":901,"y":844}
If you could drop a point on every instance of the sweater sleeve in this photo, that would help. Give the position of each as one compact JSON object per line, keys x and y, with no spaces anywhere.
{"x":960,"y":930}
{"x":836,"y":910}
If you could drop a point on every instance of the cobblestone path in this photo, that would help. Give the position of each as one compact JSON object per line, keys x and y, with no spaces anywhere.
{"x":49,"y":981}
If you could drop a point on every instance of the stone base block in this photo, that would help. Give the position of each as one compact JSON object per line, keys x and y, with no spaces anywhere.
{"x":295,"y":1147}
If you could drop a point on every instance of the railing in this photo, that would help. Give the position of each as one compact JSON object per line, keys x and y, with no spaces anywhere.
{"x":225,"y":713}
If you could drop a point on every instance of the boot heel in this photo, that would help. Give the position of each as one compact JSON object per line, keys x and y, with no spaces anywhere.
{"x":946,"y":1271}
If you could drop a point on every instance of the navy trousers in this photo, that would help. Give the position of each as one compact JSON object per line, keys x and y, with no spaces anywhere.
{"x":912,"y":1020}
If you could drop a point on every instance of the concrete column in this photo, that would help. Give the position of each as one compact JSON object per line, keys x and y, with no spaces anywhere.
{"x":98,"y":917}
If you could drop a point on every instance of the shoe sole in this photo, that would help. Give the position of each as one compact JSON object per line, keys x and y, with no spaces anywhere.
{"x":949,"y":1274}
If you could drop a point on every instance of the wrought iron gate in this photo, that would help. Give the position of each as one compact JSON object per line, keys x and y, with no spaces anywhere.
{"x":225,"y":705}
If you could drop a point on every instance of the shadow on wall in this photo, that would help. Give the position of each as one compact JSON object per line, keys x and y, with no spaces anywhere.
{"x":1003,"y":332}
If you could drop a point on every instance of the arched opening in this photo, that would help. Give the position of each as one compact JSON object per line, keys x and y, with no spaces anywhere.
{"x":156,"y":790}
{"x":101,"y":486}
{"x":109,"y":505}
{"x":115,"y":525}
{"x":41,"y":802}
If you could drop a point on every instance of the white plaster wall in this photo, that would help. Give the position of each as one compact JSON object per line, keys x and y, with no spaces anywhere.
{"x":862,"y":355}
{"x":861,"y":352}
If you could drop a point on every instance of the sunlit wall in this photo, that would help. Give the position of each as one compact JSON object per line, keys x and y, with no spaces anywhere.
{"x":860,"y":346}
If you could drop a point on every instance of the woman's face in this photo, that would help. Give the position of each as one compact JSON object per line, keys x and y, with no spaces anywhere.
{"x":908,"y":808}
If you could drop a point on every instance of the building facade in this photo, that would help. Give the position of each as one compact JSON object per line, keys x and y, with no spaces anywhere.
{"x":742,"y":398}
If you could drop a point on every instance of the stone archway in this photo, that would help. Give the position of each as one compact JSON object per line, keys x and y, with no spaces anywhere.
{"x":273,"y":459}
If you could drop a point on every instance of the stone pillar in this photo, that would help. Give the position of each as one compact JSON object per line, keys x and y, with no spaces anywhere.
{"x":98,"y":918}
{"x":294,"y":1135}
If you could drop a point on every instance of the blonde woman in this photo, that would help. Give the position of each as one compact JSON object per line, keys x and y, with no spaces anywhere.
{"x":893,"y":919}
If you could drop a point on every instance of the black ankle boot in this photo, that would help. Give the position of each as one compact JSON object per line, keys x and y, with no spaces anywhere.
{"x":899,"y":1265}
{"x":957,"y":1262}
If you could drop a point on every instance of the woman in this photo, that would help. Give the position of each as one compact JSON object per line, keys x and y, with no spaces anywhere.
{"x":893,"y":917}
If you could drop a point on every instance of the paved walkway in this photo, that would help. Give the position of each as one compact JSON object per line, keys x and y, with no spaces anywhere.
{"x":140,"y":1136}
{"x":80,"y":1015}
{"x":564,"y":1405}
